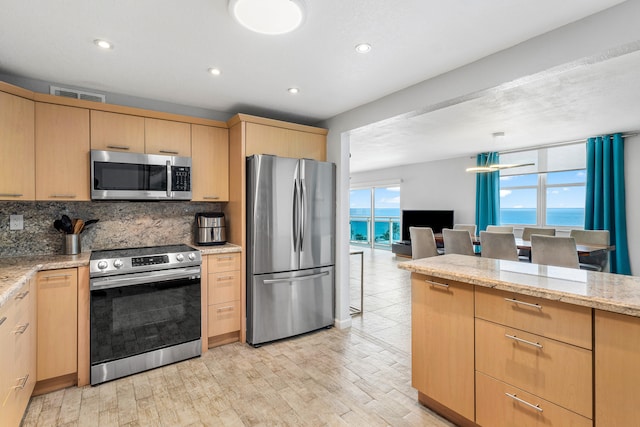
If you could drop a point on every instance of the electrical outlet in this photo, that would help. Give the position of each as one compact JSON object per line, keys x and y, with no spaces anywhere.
{"x":16,"y":222}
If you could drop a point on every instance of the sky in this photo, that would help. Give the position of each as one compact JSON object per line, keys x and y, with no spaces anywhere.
{"x":562,"y":196}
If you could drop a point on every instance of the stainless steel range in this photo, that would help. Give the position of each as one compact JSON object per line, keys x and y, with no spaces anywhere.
{"x":145,"y":309}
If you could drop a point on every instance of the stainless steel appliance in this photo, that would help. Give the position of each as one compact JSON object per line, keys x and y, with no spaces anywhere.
{"x":210,"y":229}
{"x":290,"y":243}
{"x":144,"y":309}
{"x":136,"y":176}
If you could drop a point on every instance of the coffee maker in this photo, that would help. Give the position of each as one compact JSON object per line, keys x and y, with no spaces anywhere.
{"x":210,"y":229}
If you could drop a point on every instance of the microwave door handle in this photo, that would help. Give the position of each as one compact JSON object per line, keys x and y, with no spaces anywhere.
{"x":169,"y":186}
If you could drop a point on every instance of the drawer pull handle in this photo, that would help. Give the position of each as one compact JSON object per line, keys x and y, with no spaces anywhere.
{"x":228,"y":308}
{"x":22,"y":295}
{"x":442,"y":285}
{"x":220,"y":258}
{"x":513,"y":337}
{"x":211,"y":197}
{"x":168,"y":152}
{"x":528,"y":304}
{"x":4,"y":318}
{"x":225,"y":278}
{"x":119,"y":147}
{"x":23,"y":383}
{"x":57,"y":276}
{"x":65,"y":196}
{"x":531,"y":405}
{"x":20,"y":330}
{"x":11,"y":194}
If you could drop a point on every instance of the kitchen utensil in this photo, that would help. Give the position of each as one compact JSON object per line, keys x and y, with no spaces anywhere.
{"x":78,"y":225}
{"x":57,"y":224}
{"x":88,"y":223}
{"x":67,"y":225}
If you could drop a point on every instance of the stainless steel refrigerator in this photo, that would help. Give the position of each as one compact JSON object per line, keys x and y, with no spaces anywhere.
{"x":290,"y":246}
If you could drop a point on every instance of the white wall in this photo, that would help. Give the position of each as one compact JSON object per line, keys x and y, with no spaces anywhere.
{"x":441,"y":185}
{"x":576,"y":43}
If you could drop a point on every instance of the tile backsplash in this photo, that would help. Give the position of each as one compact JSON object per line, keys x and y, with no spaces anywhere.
{"x":122,"y":224}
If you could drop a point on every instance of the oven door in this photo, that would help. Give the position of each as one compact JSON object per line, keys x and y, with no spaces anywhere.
{"x":140,"y":313}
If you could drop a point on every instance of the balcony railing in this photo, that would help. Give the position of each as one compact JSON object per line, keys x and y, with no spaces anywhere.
{"x":386,"y":231}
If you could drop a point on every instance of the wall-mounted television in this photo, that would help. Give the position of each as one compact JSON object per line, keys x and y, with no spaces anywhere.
{"x":437,"y":220}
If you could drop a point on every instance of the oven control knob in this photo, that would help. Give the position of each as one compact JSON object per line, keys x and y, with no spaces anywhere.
{"x":102,"y":265}
{"x":117,"y":263}
{"x":192,"y":256}
{"x":180,"y":257}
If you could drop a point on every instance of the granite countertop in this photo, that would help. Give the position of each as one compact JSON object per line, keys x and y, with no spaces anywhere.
{"x":16,"y":271}
{"x":605,"y":291}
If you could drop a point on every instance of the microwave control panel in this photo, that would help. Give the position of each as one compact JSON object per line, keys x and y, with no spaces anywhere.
{"x":180,"y":178}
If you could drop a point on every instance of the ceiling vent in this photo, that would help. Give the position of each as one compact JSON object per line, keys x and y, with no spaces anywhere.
{"x":77,"y":94}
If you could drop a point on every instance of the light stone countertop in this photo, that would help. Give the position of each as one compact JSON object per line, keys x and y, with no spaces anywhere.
{"x":605,"y":291}
{"x":16,"y":271}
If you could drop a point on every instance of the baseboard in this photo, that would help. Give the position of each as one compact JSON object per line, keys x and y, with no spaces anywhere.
{"x":342,"y":324}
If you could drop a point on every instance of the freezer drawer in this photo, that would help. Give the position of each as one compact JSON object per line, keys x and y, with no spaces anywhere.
{"x":281,"y":305}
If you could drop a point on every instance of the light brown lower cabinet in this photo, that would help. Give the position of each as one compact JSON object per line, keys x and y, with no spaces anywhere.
{"x":223,"y":298}
{"x":17,"y":354}
{"x":617,"y":369}
{"x":57,"y":328}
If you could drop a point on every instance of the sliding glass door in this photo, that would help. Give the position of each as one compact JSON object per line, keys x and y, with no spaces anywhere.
{"x":375,"y":216}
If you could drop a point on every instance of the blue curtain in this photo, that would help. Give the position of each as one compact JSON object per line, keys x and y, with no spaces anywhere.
{"x":487,"y":193}
{"x":605,"y":200}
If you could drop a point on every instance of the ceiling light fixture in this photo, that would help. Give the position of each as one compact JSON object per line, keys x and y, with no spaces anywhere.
{"x":103,"y":44}
{"x":498,"y":137}
{"x":363,"y":48}
{"x":293,"y":90}
{"x":268,"y":16}
{"x":215,"y":71}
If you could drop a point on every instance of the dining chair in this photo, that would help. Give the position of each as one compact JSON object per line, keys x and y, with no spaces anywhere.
{"x":553,"y":250}
{"x":525,"y":254}
{"x":500,"y":228}
{"x":471,"y":228}
{"x":498,"y":245}
{"x":423,"y":242}
{"x":598,"y":261}
{"x":457,"y":242}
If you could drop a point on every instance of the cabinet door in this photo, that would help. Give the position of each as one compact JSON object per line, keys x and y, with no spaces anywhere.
{"x":263,"y":139}
{"x":57,"y":323}
{"x":117,"y":132}
{"x":442,"y":342}
{"x":17,"y":149}
{"x":167,"y":137}
{"x":617,"y":377}
{"x":62,"y":152}
{"x":210,"y":164}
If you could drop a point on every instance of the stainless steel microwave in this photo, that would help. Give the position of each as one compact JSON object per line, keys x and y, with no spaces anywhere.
{"x":136,"y":176}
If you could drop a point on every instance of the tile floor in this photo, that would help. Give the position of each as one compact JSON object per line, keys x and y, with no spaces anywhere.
{"x":355,"y":377}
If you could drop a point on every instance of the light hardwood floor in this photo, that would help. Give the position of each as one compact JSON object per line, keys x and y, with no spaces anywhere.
{"x":358,"y":377}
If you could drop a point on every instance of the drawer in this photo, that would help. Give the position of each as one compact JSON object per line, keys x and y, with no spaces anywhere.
{"x":223,"y":287}
{"x":223,"y":262}
{"x":552,"y":319}
{"x":223,"y":318}
{"x":553,"y":370}
{"x":494,"y":408}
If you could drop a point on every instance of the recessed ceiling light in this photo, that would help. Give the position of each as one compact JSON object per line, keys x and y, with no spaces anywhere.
{"x":215,"y":71}
{"x":268,"y":16}
{"x":293,"y":90}
{"x":363,"y":47}
{"x":103,"y":44}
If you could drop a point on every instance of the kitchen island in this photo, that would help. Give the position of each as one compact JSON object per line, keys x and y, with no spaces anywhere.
{"x":507,"y":343}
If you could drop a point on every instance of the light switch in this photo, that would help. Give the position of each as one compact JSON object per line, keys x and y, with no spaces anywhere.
{"x":16,"y":222}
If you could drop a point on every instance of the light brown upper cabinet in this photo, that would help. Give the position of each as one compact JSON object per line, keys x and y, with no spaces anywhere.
{"x":210,"y":163}
{"x":17,"y":174}
{"x":117,"y":132}
{"x":265,"y":139}
{"x":62,"y":152}
{"x":167,"y":137}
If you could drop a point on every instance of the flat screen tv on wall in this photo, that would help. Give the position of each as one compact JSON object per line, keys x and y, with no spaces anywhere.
{"x":437,"y":220}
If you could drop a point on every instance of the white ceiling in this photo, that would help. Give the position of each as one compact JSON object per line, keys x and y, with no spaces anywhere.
{"x":163,"y":50}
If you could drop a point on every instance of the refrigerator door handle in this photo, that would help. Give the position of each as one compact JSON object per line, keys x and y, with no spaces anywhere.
{"x":295,"y":279}
{"x":303,"y":209}
{"x":294,"y":224}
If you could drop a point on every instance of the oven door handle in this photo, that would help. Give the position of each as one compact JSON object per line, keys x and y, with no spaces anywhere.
{"x":145,"y":278}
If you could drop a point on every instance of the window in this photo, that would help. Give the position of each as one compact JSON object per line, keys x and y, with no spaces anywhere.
{"x":381,"y":228}
{"x":549,"y":193}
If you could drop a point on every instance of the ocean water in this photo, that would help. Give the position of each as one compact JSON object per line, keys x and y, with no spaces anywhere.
{"x":555,"y":216}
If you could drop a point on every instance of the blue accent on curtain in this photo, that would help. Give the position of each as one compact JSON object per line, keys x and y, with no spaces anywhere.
{"x":487,"y":192}
{"x":605,"y":199}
